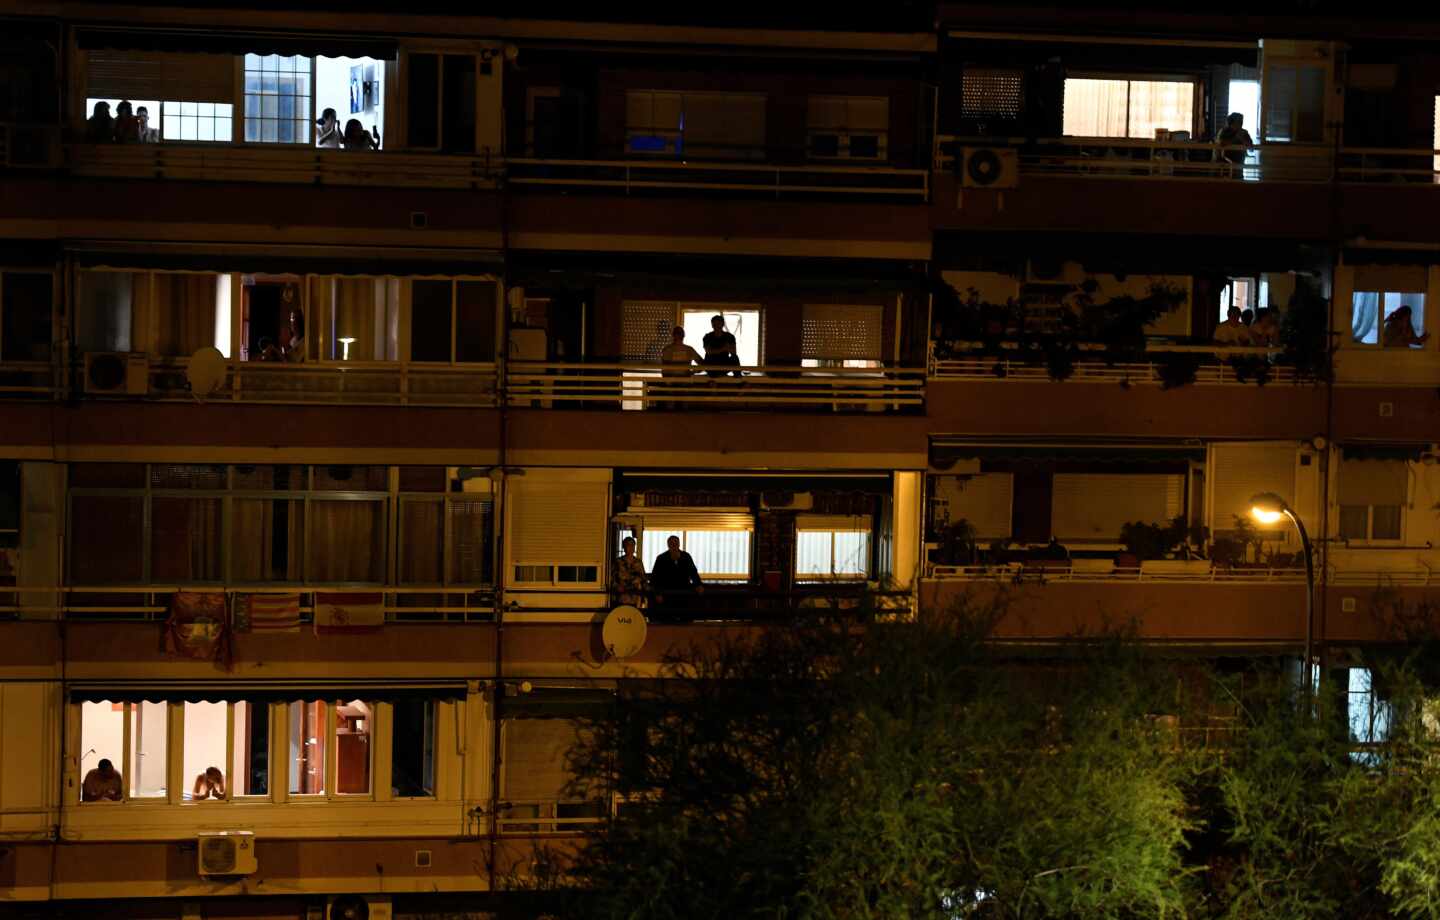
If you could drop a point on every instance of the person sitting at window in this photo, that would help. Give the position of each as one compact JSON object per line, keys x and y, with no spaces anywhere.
{"x":294,"y":335}
{"x":679,"y":356}
{"x":1266,"y":328}
{"x":356,"y":137}
{"x":148,"y":135}
{"x":102,"y":784}
{"x":1400,"y":330}
{"x":127,"y":126}
{"x":100,"y":127}
{"x":1233,"y":331}
{"x":673,"y":576}
{"x":629,"y":580}
{"x":1234,"y":139}
{"x":327,"y":132}
{"x":209,"y":785}
{"x":720,"y":347}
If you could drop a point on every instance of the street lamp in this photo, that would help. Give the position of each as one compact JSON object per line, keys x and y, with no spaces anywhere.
{"x":1269,"y":508}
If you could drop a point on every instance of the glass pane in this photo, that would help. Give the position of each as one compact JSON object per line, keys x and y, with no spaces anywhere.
{"x":1404,"y":319}
{"x":422,"y":542}
{"x":717,"y":553}
{"x":148,"y":750}
{"x":430,"y":321}
{"x":1161,"y":105}
{"x":1365,"y":317}
{"x":185,"y":541}
{"x":250,"y":772}
{"x":412,"y":755}
{"x":1095,"y":108}
{"x":307,"y":747}
{"x":471,"y":538}
{"x":266,"y":539}
{"x":475,"y":321}
{"x":102,"y":748}
{"x":1354,"y":521}
{"x":423,"y":99}
{"x":25,"y":317}
{"x":347,"y":542}
{"x":1385,"y":522}
{"x":107,"y":539}
{"x":457,"y":124}
{"x":354,"y":725}
{"x":204,"y":758}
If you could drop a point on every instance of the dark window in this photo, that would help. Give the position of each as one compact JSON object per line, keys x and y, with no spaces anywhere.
{"x":107,"y":539}
{"x":412,"y":754}
{"x":423,"y":101}
{"x":9,"y":506}
{"x":25,"y":317}
{"x":474,"y":321}
{"x":430,"y":321}
{"x":458,"y":120}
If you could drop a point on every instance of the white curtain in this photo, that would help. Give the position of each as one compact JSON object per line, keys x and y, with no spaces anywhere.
{"x":1127,"y":108}
{"x":1095,"y":108}
{"x":1155,"y":104}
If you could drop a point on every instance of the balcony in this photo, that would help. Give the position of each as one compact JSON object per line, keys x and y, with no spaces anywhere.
{"x":355,"y":383}
{"x":546,"y":385}
{"x":1211,"y":365}
{"x":635,"y":177}
{"x":100,"y":603}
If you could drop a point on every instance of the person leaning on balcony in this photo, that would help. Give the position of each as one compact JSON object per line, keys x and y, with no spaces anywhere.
{"x":1400,"y":330}
{"x":630,"y":582}
{"x":100,"y":127}
{"x":127,"y":126}
{"x":327,"y":132}
{"x":673,"y":578}
{"x":1234,"y":140}
{"x":102,"y":784}
{"x":1265,"y":330}
{"x":148,"y":135}
{"x":1233,"y":331}
{"x":720,"y":347}
{"x":209,"y":785}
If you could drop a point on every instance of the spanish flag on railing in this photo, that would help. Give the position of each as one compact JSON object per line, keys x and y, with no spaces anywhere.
{"x":349,"y":613}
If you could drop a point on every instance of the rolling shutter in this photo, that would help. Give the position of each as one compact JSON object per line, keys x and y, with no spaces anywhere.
{"x":1373,"y":482}
{"x":557,"y":523}
{"x":1092,"y":507}
{"x":983,"y":500}
{"x":535,"y":758}
{"x":1238,"y":472}
{"x":839,"y":332}
{"x":160,"y":76}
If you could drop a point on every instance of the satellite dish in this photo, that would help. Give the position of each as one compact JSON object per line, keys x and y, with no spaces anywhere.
{"x":206,"y":372}
{"x":624,"y":631}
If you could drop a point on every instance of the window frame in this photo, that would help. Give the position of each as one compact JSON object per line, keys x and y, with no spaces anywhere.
{"x":832,"y":576}
{"x":1196,"y":100}
{"x":844,"y":133}
{"x":1369,"y":539}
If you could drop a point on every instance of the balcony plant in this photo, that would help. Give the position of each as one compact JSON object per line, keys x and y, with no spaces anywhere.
{"x":1176,"y":539}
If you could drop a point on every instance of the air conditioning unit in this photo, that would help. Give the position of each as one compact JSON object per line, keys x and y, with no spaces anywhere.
{"x":117,"y":373}
{"x":358,"y":907}
{"x":787,"y":501}
{"x":226,"y":853}
{"x":989,"y":167}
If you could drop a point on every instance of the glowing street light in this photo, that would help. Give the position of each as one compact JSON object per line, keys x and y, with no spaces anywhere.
{"x":1269,"y":508}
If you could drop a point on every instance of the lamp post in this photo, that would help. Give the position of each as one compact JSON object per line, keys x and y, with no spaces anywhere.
{"x":1269,"y":508}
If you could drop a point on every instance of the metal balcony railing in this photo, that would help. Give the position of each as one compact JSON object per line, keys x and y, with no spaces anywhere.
{"x":1091,"y":571}
{"x":356,"y":383}
{"x":1215,"y":369}
{"x":403,"y":603}
{"x":291,"y":164}
{"x":540,"y":384}
{"x":632,"y":176}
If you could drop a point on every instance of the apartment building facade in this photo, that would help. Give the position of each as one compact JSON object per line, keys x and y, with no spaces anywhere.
{"x":331,"y":389}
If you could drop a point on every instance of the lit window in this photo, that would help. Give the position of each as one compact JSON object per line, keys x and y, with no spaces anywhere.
{"x":1389,"y":318}
{"x":1369,"y":716}
{"x":226,"y":751}
{"x":718,"y":554}
{"x":133,"y":740}
{"x":1127,"y":108}
{"x":826,"y":555}
{"x":172,"y":120}
{"x":277,"y":99}
{"x":326,"y":755}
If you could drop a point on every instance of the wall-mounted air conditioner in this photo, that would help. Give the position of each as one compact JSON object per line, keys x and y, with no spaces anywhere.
{"x":989,"y":167}
{"x":226,"y":853}
{"x":117,"y":373}
{"x":358,"y":907}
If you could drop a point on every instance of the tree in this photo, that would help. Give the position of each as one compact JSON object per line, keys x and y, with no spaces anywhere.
{"x":895,"y":770}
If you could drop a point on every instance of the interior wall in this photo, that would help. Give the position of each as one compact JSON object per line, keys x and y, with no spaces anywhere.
{"x":333,"y":91}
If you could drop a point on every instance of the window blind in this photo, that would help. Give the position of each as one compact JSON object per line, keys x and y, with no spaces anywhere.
{"x":1373,"y":482}
{"x":1238,"y":472}
{"x":645,"y":328}
{"x":1094,"y":506}
{"x":841,"y":332}
{"x":983,"y":500}
{"x":160,"y":75}
{"x":557,"y":524}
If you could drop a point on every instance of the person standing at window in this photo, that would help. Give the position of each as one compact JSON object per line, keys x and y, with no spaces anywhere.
{"x":675,"y":579}
{"x":357,"y":138}
{"x":720,"y":347}
{"x":102,"y":784}
{"x":209,"y":785}
{"x":1234,"y":140}
{"x":630,"y":582}
{"x":1400,"y":330}
{"x":328,"y":133}
{"x":147,"y":134}
{"x":100,"y":127}
{"x":127,"y":126}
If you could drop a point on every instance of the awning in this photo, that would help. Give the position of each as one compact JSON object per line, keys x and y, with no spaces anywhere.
{"x":1377,"y":451}
{"x":309,"y":260}
{"x":265,"y":691}
{"x":229,"y":42}
{"x":643,"y":481}
{"x":945,"y":452}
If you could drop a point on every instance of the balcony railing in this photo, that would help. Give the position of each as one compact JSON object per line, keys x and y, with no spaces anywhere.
{"x":295,"y":165}
{"x":551,"y":816}
{"x":1104,"y":571}
{"x":635,"y":176}
{"x":28,"y":380}
{"x":1217,"y":366}
{"x":356,"y":383}
{"x":546,"y":385}
{"x":403,"y":603}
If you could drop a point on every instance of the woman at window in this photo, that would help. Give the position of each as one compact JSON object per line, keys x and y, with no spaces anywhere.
{"x":630,"y":582}
{"x":720,"y":346}
{"x":1400,"y":330}
{"x":209,"y":785}
{"x":357,"y":138}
